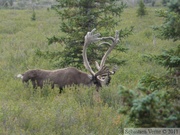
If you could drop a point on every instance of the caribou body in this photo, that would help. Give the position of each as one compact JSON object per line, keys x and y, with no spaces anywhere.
{"x":72,"y":76}
{"x":61,"y":77}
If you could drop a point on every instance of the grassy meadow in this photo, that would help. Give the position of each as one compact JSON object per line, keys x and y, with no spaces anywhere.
{"x":77,"y":111}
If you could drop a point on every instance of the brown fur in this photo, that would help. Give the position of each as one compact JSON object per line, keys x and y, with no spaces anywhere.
{"x":36,"y":76}
{"x":61,"y":77}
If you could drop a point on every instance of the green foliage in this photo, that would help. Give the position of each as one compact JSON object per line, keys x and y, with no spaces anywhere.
{"x":142,"y":9}
{"x":33,"y":18}
{"x":157,"y":104}
{"x":127,"y":96}
{"x":143,"y":112}
{"x":160,"y":106}
{"x":110,"y":97}
{"x":170,"y":59}
{"x":155,"y":110}
{"x":152,"y":83}
{"x":79,"y":17}
{"x":164,"y":2}
{"x":170,"y":29}
{"x":151,"y":108}
{"x":44,"y":111}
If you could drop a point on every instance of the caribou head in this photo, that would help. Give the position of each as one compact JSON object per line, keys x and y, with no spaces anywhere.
{"x":102,"y":76}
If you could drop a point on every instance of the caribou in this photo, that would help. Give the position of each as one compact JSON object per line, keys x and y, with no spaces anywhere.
{"x":72,"y":76}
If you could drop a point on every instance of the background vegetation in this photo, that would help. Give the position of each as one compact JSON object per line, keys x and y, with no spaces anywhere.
{"x":78,"y":110}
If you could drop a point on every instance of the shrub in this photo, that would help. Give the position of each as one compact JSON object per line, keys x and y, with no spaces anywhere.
{"x":142,"y":9}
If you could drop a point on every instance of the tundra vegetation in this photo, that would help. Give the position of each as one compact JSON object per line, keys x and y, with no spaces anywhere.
{"x":79,"y":110}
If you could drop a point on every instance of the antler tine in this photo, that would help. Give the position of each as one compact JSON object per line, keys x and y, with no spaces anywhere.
{"x":97,"y":65}
{"x":105,"y":43}
{"x":114,"y":70}
{"x":89,"y":38}
{"x":106,"y":38}
{"x":115,"y":41}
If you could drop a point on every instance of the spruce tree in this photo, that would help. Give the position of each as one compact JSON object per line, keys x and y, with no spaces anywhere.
{"x":33,"y":17}
{"x":157,"y":104}
{"x":142,"y":9}
{"x":77,"y":18}
{"x":170,"y":29}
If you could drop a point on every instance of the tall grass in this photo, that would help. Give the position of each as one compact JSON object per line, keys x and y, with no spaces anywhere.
{"x":78,"y":110}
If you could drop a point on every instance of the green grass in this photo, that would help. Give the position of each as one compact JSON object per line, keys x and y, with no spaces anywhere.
{"x":78,"y":110}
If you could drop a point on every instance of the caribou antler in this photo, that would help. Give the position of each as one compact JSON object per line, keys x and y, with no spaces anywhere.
{"x":115,"y":41}
{"x":90,"y":38}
